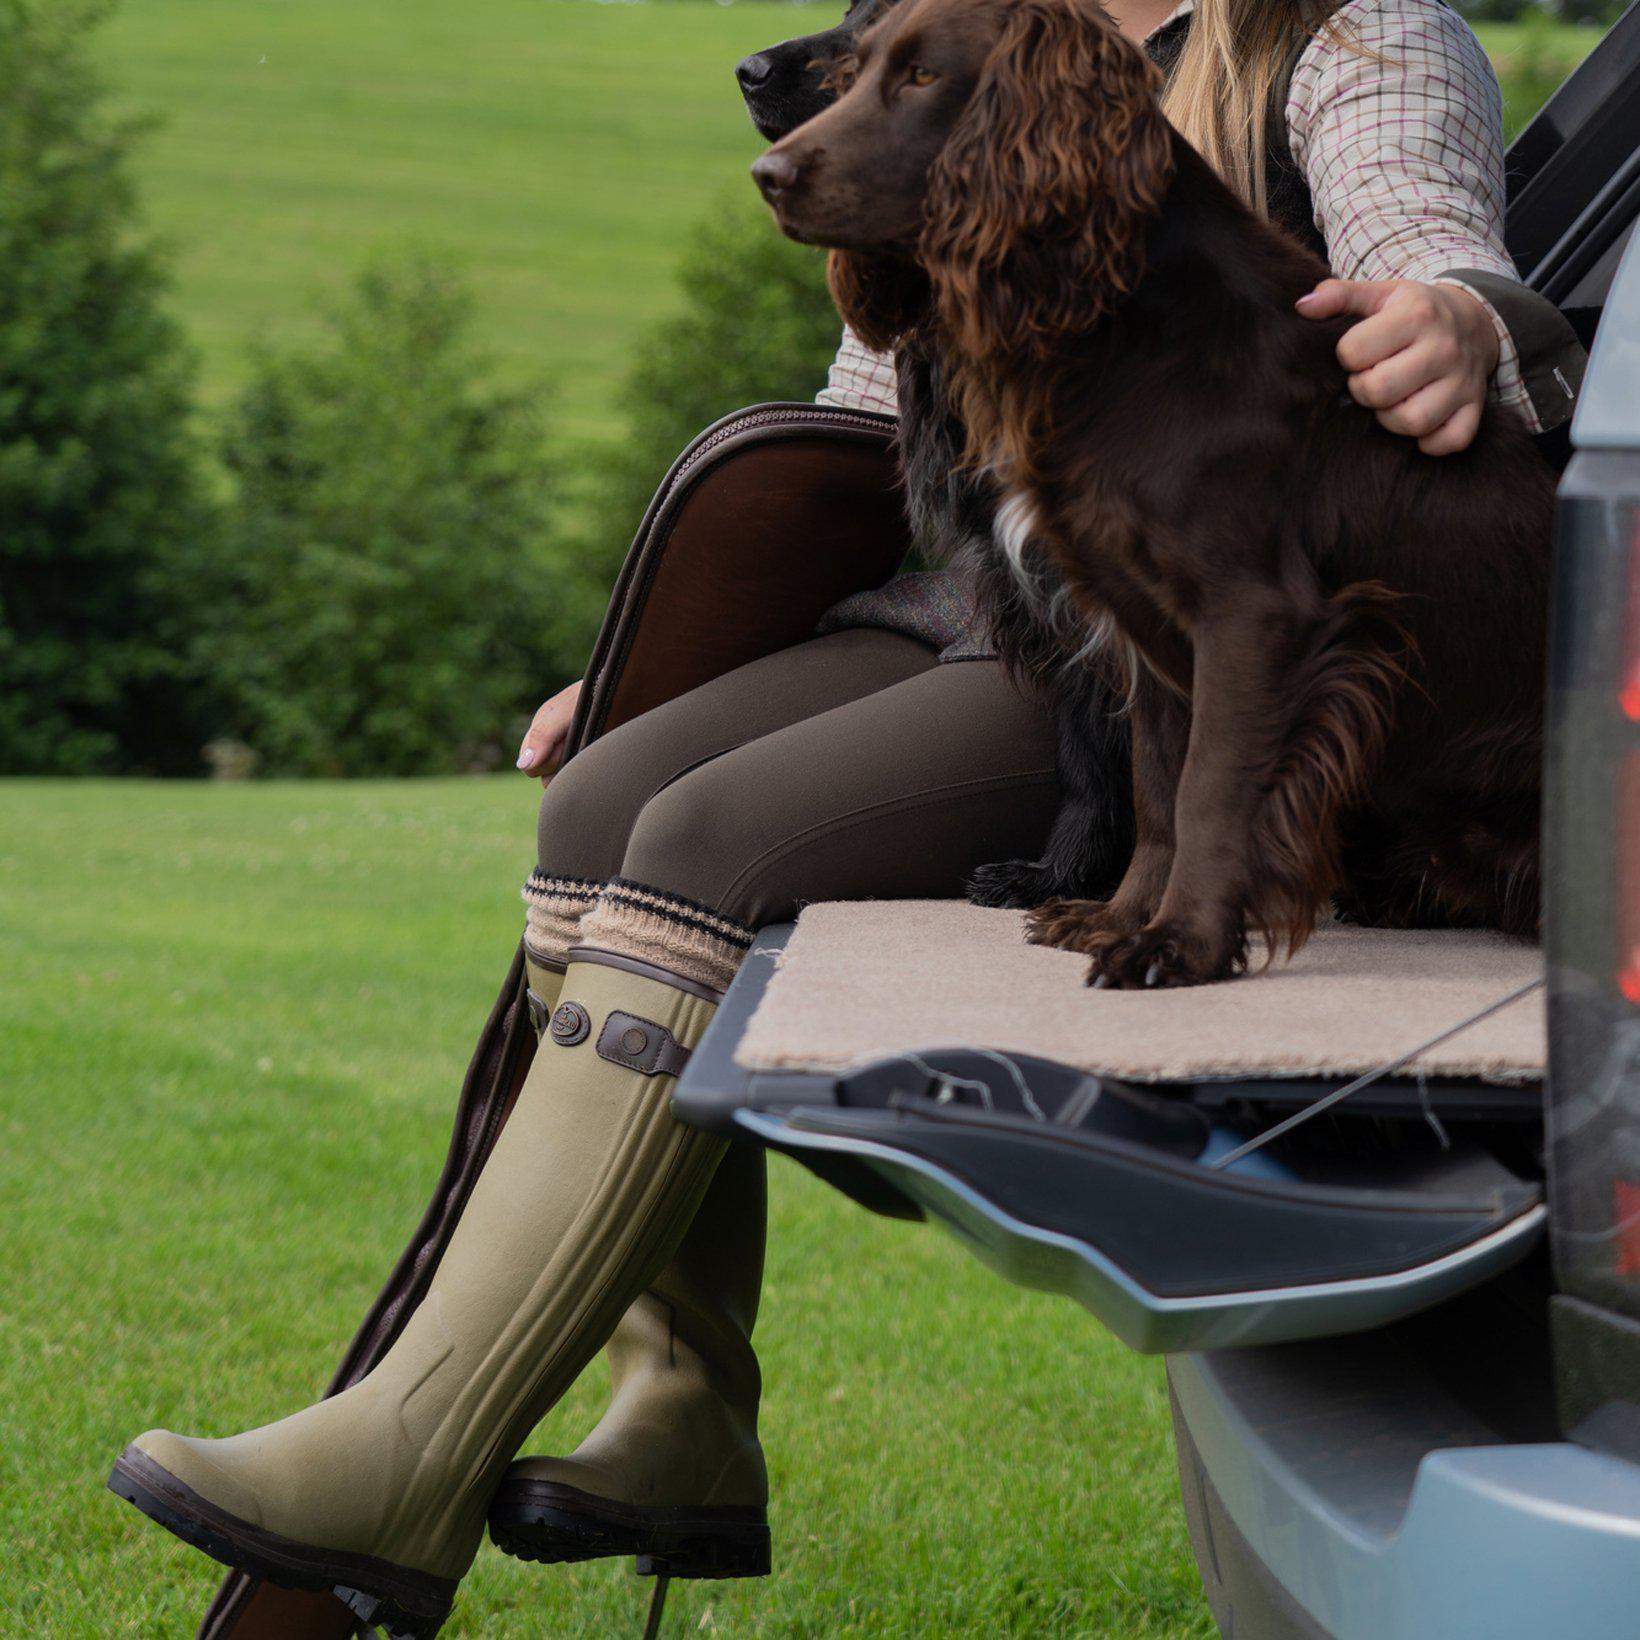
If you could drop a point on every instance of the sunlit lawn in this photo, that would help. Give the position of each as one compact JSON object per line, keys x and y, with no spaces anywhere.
{"x":557,"y":150}
{"x":232,"y":1023}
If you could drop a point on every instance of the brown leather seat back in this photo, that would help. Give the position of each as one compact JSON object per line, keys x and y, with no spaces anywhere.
{"x":765,"y":521}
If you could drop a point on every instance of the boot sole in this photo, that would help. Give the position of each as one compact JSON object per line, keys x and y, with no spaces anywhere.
{"x":408,"y":1604}
{"x":543,"y":1521}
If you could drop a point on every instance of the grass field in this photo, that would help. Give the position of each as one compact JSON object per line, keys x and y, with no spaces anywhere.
{"x":559,"y":150}
{"x":1532,"y":58}
{"x":233,"y":1022}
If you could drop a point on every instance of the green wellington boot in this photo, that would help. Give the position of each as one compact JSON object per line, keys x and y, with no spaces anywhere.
{"x":673,"y":1473}
{"x":380,"y":1492}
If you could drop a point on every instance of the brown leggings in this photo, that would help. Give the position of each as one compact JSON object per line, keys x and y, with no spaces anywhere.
{"x":853,"y":766}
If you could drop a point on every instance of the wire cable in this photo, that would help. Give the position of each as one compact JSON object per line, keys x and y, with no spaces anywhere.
{"x":1259,"y":1141}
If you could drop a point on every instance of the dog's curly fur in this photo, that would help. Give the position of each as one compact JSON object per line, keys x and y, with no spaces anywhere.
{"x":1034,"y":227}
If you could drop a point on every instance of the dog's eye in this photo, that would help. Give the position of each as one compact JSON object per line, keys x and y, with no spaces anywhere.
{"x":918,"y":75}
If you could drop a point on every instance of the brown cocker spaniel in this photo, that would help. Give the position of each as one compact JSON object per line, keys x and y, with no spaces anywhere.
{"x":1336,"y":643}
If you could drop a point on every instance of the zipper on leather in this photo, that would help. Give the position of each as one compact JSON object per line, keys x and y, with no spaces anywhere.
{"x":820,"y":415}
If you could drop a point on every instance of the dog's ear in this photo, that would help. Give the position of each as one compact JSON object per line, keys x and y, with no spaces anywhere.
{"x":879,"y":297}
{"x":1039,"y":203}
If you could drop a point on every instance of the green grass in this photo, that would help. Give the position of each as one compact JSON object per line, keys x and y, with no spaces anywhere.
{"x":558,"y":150}
{"x":1567,"y":44}
{"x":1532,"y":57}
{"x":232,"y":1026}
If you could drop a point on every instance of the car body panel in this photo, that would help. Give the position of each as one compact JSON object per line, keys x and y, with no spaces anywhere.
{"x":1608,"y":409}
{"x":1382,"y":1537}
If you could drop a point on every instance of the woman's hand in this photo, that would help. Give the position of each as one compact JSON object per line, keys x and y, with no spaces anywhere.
{"x":544,"y":742}
{"x":1421,"y":356}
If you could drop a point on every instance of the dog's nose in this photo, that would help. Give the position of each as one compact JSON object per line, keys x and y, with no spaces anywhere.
{"x":775,"y":172}
{"x":753,"y":71}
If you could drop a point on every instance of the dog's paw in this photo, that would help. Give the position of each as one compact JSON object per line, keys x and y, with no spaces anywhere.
{"x":1071,"y":925}
{"x":1164,"y":956}
{"x":1021,"y":885}
{"x":1014,"y":885}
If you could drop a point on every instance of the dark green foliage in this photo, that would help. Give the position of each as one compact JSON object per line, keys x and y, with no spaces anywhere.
{"x":389,"y":604}
{"x":101,"y":507}
{"x":1493,"y":11}
{"x":1602,"y":12}
{"x":756,"y":325}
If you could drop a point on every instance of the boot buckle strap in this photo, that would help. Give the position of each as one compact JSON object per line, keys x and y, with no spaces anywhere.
{"x":641,"y":1045}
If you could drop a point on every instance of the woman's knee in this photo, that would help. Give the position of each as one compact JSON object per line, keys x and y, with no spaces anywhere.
{"x":691,"y":839}
{"x":589,"y":806}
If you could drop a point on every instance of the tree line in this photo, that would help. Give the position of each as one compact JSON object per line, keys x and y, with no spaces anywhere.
{"x":363,"y":565}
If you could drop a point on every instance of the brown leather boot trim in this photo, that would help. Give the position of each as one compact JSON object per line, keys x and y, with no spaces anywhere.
{"x":648,"y":970}
{"x":641,"y":1045}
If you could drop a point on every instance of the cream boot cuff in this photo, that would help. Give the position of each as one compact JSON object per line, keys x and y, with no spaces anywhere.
{"x":554,"y":909}
{"x":650,"y":925}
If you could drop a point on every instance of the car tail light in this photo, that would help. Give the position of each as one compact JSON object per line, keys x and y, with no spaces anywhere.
{"x":1627,"y":817}
{"x":1592,"y":917}
{"x":1592,"y":890}
{"x":1626,"y":1227}
{"x":1628,"y":692}
{"x":1627,"y":844}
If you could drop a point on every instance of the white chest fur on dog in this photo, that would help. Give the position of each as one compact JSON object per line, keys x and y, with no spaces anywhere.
{"x":1015,"y":525}
{"x":1015,"y":529}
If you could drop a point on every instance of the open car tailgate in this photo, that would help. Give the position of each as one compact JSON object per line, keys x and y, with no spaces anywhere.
{"x":1117,"y":1194}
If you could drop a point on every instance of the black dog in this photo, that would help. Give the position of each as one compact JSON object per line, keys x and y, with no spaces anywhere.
{"x":787,"y":85}
{"x":953,"y":513}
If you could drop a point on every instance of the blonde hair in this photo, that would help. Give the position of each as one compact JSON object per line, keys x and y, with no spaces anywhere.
{"x":1219,"y":93}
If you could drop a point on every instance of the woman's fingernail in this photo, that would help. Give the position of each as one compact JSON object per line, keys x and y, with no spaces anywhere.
{"x":526,"y":758}
{"x":1307,"y":297}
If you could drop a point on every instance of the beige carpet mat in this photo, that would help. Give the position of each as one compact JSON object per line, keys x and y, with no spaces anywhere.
{"x":864,"y":979}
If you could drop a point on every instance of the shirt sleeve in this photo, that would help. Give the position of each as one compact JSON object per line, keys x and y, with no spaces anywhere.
{"x":1396,"y":121}
{"x":860,"y":379}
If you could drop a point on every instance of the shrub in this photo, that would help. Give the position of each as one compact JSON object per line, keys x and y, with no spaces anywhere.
{"x":1493,"y":11}
{"x":1602,"y":13}
{"x":389,"y":608}
{"x":101,"y":504}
